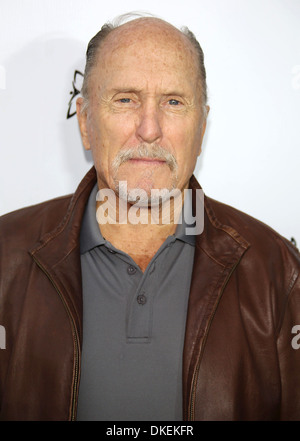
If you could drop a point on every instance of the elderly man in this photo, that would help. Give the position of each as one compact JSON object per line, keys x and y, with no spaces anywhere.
{"x":119,"y":320}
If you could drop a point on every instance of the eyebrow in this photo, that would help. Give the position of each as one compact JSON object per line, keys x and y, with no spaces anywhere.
{"x":125,"y":90}
{"x":137,"y":91}
{"x":174,"y":92}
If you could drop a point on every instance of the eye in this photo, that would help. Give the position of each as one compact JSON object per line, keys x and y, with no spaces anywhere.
{"x":125,"y":100}
{"x":174,"y":102}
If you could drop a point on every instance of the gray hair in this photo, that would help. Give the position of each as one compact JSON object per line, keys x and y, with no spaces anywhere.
{"x":107,"y":28}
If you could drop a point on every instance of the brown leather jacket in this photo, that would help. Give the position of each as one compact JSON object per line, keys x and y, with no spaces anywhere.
{"x":238,"y":360}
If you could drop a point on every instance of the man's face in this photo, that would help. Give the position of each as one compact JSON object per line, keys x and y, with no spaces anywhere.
{"x":144,"y":122}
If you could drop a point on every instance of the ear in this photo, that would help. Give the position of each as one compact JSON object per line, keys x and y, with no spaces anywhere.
{"x":82,"y":121}
{"x":203,"y":128}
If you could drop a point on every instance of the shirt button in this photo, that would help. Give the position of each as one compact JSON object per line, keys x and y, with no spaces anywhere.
{"x":131,"y":270}
{"x":141,"y":299}
{"x":111,"y":251}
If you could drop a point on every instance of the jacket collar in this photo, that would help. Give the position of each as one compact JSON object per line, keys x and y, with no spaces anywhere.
{"x":58,"y":251}
{"x":218,"y":251}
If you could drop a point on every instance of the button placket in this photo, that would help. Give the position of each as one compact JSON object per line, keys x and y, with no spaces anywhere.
{"x":131,"y":270}
{"x":139,"y":323}
{"x":141,"y":299}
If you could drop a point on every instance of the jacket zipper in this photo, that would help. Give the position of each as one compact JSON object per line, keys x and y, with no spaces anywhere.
{"x":191,"y":413}
{"x":76,"y":340}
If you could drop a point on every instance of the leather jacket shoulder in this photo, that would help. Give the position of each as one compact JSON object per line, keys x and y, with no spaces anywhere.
{"x":244,"y":306}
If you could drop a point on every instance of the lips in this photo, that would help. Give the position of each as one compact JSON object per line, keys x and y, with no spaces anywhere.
{"x":148,"y":161}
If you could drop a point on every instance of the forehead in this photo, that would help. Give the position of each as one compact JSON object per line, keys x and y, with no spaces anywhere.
{"x":146,"y":49}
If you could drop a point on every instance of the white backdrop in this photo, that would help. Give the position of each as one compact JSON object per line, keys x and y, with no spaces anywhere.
{"x":251,"y":152}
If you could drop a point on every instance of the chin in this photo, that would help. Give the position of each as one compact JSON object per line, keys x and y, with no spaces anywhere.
{"x":144,"y":191}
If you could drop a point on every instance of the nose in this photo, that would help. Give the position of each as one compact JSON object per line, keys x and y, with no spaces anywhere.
{"x":149,"y":124}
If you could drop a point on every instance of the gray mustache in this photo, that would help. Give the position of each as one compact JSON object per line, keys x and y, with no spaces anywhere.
{"x":155,"y":151}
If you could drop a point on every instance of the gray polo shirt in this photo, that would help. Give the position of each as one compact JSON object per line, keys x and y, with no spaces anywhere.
{"x":133,"y":327}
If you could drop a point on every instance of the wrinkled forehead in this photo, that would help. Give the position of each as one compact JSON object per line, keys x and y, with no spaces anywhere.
{"x":147,"y":39}
{"x":147,"y":29}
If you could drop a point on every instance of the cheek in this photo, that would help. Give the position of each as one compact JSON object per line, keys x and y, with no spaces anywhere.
{"x":118,"y":131}
{"x":186,"y":143}
{"x":108,"y":135}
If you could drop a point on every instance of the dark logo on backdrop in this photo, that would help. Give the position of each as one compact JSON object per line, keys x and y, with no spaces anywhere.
{"x":293,"y":241}
{"x":77,"y":85}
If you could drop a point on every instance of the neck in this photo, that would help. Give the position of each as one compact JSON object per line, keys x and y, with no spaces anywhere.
{"x":137,"y":231}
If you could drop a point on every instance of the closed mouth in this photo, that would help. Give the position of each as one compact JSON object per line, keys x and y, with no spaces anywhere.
{"x":148,"y":160}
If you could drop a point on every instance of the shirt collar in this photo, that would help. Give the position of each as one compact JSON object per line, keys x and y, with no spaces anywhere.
{"x":182,"y":228}
{"x":90,"y":234}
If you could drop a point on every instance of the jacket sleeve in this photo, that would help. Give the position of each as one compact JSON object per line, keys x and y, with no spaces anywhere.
{"x":288,"y":345}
